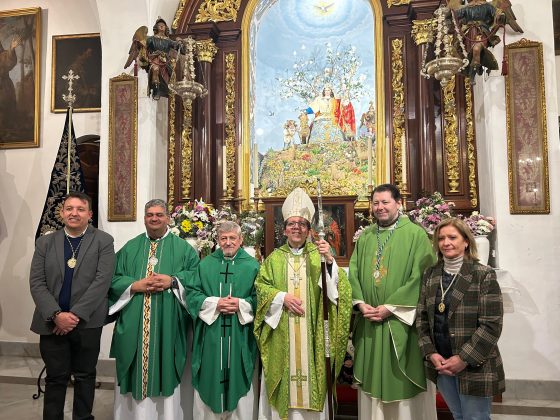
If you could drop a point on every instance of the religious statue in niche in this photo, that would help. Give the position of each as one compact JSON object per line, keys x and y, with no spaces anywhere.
{"x":479,"y":22}
{"x":157,"y":55}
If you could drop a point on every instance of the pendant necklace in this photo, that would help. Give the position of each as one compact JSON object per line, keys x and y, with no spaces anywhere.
{"x":71,"y":262}
{"x":380,"y":247}
{"x":441,"y":306}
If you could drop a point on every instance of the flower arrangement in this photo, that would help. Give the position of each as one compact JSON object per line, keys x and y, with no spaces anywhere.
{"x":252,"y":228}
{"x":430,"y":211}
{"x":195,"y":220}
{"x":478,"y":224}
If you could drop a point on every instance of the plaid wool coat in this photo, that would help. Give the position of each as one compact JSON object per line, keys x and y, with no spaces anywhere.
{"x":475,"y":319}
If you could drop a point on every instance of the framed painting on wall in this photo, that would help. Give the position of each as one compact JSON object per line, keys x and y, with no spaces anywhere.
{"x":80,"y":54}
{"x":20,"y":64}
{"x":526,"y":129}
{"x":123,"y":144}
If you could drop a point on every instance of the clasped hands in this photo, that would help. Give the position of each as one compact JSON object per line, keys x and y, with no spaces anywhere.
{"x":228,"y":305}
{"x":65,"y":322}
{"x":450,"y":367}
{"x":374,"y":313}
{"x":152,"y":284}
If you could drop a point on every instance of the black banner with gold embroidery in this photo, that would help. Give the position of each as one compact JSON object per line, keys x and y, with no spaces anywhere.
{"x":50,"y":218}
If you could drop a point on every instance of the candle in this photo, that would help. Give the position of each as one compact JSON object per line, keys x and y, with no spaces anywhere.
{"x":403,"y":153}
{"x":369,"y":159}
{"x":224,"y":168}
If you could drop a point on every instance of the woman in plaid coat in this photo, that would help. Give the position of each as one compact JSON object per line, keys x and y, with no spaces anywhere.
{"x":460,"y":315}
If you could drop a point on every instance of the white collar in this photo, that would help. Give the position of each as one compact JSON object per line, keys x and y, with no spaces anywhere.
{"x":77,"y":236}
{"x":159,"y":239}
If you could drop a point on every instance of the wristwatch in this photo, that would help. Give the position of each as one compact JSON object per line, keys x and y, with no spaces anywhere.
{"x":174,"y":282}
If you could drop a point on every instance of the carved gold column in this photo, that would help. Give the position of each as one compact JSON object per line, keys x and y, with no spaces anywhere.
{"x":451,"y":138}
{"x":186,"y":153}
{"x":171,"y":153}
{"x":399,"y":131}
{"x":471,"y":148}
{"x":205,"y":151}
{"x":230,"y":138}
{"x":422,"y":34}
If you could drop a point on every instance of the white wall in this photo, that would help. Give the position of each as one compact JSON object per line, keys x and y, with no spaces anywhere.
{"x":528,"y":245}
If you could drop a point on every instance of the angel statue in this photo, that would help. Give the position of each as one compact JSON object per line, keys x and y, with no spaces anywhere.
{"x":156,"y":54}
{"x":479,"y":21}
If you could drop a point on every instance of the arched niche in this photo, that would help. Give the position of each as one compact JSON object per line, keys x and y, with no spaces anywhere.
{"x":291,"y":51}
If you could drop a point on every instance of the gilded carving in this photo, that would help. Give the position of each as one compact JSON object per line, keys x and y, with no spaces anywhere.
{"x":397,"y":2}
{"x":206,"y":50}
{"x":451,"y":139}
{"x":397,"y":86}
{"x":471,"y":150}
{"x":186,"y":150}
{"x":171,"y":155}
{"x":230,"y":124}
{"x":218,"y":11}
{"x":178,"y":14}
{"x":423,"y":31}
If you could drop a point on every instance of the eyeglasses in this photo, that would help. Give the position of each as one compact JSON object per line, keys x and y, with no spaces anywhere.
{"x":294,"y":224}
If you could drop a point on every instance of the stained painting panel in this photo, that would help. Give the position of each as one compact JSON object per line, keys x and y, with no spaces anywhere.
{"x":312,"y":96}
{"x":20,"y":61}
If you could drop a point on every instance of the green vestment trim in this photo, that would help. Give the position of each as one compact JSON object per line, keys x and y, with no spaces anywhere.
{"x":169,"y":321}
{"x":388,"y":363}
{"x":274,"y":343}
{"x":221,"y":387}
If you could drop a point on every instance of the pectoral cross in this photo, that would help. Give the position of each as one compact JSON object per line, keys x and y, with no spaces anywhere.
{"x":296,"y":279}
{"x":298,"y":378}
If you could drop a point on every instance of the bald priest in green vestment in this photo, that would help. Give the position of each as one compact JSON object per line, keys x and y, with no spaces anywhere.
{"x":222,"y":302}
{"x":289,"y":319}
{"x":152,"y":324}
{"x":386,"y":269}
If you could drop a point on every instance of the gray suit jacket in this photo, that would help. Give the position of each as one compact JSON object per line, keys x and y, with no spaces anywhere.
{"x":90,"y":283}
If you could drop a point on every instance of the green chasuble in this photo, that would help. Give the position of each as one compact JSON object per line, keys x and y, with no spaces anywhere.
{"x":224,"y":352}
{"x":150,"y":334}
{"x":388,"y":363}
{"x":293,"y":354}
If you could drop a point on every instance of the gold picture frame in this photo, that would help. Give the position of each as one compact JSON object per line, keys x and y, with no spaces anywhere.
{"x":20,"y":55}
{"x":526,"y":129}
{"x":123,"y":145}
{"x":80,"y":53}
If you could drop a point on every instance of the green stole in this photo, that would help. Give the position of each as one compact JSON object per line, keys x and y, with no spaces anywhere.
{"x":224,"y":352}
{"x":388,"y":363}
{"x":279,"y":348}
{"x":150,"y":340}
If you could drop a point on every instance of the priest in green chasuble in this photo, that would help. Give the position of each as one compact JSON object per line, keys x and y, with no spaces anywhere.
{"x":150,"y":335}
{"x":289,"y":319}
{"x":386,"y":269}
{"x":222,"y":302}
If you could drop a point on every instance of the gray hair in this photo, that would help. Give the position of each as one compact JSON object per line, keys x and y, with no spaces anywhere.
{"x":156,"y":202}
{"x":228,"y":226}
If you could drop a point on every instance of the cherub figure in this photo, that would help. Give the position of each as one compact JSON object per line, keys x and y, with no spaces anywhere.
{"x":290,"y":129}
{"x":156,"y":54}
{"x":479,"y":22}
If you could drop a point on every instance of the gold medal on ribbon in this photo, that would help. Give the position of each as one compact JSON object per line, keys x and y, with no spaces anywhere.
{"x":71,"y":262}
{"x":441,"y":307}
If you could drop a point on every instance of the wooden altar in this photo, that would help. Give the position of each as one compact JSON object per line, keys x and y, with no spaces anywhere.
{"x":429,"y":129}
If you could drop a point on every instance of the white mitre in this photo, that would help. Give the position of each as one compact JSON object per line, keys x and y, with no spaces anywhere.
{"x":298,"y":204}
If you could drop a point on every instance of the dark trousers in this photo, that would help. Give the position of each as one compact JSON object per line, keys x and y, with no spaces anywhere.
{"x":75,"y":354}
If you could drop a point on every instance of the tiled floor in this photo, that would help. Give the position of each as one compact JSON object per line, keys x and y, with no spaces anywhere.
{"x":17,"y":376}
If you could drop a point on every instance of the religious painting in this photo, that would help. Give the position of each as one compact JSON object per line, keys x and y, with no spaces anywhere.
{"x":20,"y":76}
{"x":312,"y":72}
{"x":123,"y":143}
{"x":526,"y":129}
{"x":76,"y":70}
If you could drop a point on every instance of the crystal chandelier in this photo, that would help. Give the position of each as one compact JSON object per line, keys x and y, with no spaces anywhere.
{"x":450,"y":53}
{"x":188,"y":88}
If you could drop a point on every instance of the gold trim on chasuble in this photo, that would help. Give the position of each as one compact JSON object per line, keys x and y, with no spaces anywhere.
{"x":300,"y":393}
{"x":146,"y":321}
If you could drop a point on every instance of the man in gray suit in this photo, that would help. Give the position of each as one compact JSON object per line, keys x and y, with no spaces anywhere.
{"x":71,"y":272}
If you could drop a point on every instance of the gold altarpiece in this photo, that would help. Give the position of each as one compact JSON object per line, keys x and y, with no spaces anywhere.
{"x":429,"y":131}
